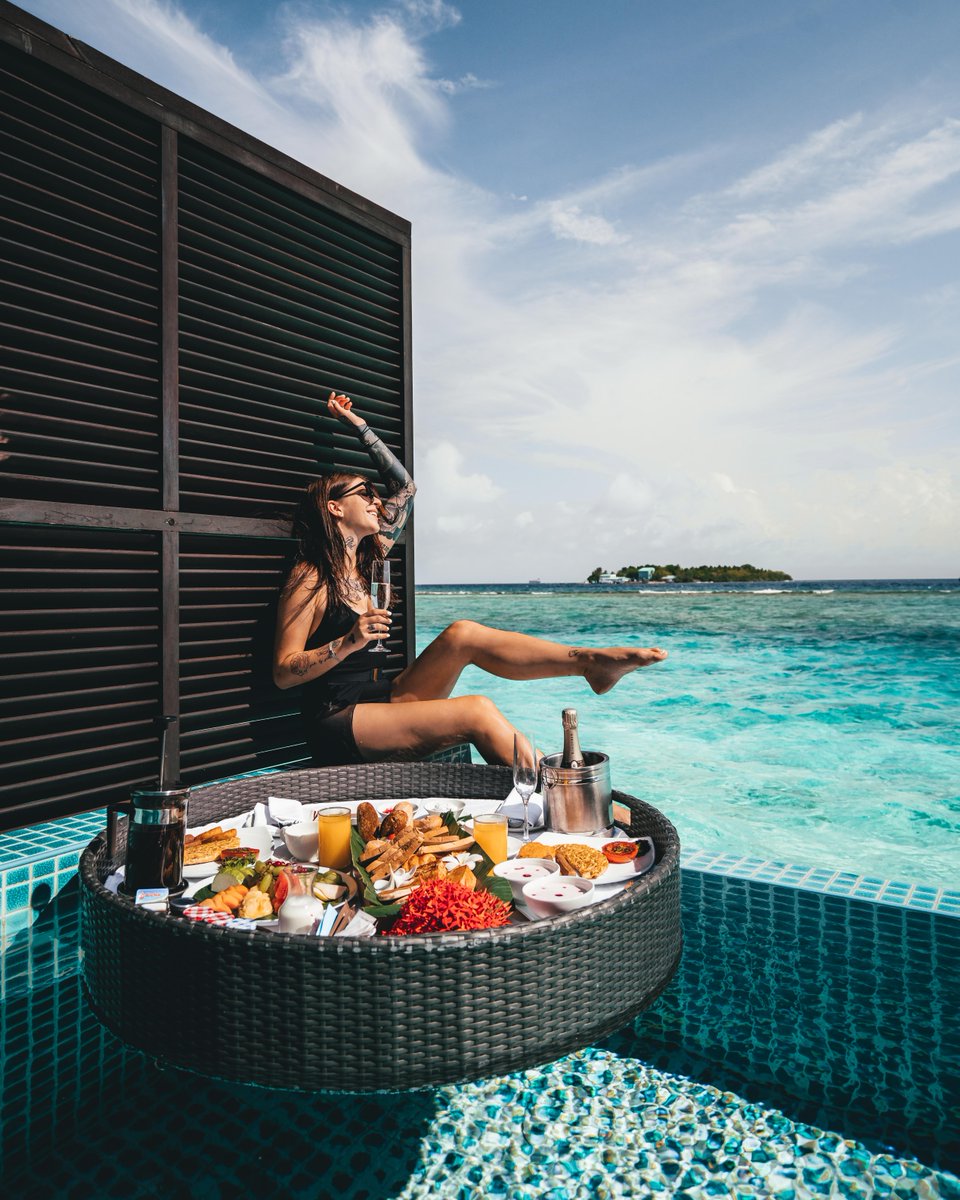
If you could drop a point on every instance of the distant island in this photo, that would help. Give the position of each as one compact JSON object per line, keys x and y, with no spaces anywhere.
{"x":673,"y":573}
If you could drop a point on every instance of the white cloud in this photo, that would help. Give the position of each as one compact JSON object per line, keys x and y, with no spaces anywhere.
{"x":443,"y":467}
{"x":431,"y":15}
{"x":667,"y":361}
{"x":466,"y":83}
{"x":831,"y":145}
{"x":570,"y":222}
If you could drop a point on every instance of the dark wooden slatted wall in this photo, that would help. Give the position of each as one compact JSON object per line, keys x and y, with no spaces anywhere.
{"x":80,"y":637}
{"x":79,"y":308}
{"x":278,"y":300}
{"x":177,"y":300}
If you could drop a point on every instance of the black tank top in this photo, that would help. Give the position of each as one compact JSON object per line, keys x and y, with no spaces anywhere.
{"x":339,"y":685}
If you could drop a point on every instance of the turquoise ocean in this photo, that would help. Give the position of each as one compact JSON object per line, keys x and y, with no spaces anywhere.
{"x":806,"y":722}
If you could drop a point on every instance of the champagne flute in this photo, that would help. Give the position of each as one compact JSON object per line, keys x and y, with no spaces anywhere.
{"x":524,"y":773}
{"x":380,"y":595}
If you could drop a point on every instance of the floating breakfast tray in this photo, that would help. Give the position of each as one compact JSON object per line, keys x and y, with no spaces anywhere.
{"x":378,"y":1013}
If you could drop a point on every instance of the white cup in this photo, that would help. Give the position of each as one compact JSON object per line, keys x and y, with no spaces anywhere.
{"x":443,"y":806}
{"x":519,"y":871}
{"x":301,"y":840}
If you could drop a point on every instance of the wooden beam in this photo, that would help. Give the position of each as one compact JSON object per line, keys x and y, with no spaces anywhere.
{"x":169,"y":323}
{"x":170,"y":647}
{"x":406,"y":402}
{"x":93,"y":516}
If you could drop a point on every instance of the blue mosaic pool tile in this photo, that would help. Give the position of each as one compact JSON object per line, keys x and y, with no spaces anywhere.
{"x":822,"y":880}
{"x":867,"y":887}
{"x":837,"y":1008}
{"x":50,"y":837}
{"x":16,"y":897}
{"x":16,"y":875}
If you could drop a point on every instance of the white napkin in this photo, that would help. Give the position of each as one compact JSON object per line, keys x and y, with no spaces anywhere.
{"x":278,"y":811}
{"x":513,"y":807}
{"x":362,"y":925}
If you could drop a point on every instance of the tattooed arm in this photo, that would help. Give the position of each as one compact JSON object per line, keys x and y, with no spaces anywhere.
{"x":400,"y":486}
{"x":301,"y":610}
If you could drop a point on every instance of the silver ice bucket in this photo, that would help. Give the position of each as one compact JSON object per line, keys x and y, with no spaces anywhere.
{"x":577,"y":799}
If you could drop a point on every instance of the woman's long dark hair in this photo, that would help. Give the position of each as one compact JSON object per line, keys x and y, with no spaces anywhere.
{"x":320,"y":543}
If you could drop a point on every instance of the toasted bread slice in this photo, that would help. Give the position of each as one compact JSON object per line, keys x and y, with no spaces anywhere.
{"x":577,"y":859}
{"x":205,"y":852}
{"x":374,"y":848}
{"x":406,"y":845}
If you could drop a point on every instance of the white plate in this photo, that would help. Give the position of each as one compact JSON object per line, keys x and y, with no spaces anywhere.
{"x":209,"y":869}
{"x":350,"y":884}
{"x":615,"y":872}
{"x":260,"y":838}
{"x":513,"y":807}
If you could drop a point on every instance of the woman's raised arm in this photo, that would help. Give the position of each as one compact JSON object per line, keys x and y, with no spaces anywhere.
{"x":396,"y":508}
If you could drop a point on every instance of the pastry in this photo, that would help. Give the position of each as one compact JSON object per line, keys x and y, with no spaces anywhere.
{"x":536,"y":850}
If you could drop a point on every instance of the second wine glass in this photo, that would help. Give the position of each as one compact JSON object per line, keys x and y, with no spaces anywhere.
{"x":524,"y":773}
{"x":380,"y":595}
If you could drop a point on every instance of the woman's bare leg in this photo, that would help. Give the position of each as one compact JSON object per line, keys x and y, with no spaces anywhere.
{"x":409,"y":731}
{"x":513,"y":656}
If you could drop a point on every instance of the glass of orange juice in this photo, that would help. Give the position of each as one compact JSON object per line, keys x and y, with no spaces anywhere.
{"x":333,"y":838}
{"x":490,"y":832}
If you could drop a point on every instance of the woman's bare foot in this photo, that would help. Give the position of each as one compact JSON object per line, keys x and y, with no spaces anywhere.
{"x":605,"y":668}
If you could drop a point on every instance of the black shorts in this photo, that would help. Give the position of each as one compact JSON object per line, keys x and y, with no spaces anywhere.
{"x":329,"y":726}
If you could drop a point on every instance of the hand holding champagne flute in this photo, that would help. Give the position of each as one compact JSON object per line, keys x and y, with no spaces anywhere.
{"x":380,"y":595}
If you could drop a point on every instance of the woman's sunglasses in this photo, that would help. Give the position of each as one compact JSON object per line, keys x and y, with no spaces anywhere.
{"x":364,"y":489}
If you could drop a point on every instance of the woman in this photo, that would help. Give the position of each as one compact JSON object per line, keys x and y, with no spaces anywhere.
{"x":325,"y":635}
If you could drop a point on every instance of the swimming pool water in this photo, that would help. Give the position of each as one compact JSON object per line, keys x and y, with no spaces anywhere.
{"x":814,"y":724}
{"x":806,"y":1049}
{"x":596,"y":1125}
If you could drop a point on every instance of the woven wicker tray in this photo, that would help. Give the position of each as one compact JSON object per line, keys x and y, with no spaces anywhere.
{"x":376,"y":1014}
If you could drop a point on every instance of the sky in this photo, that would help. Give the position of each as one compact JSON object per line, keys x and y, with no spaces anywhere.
{"x":685,"y":275}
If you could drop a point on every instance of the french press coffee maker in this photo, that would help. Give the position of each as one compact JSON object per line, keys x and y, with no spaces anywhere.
{"x":156,"y":826}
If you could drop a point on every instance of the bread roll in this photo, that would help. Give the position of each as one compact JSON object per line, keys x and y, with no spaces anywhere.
{"x":394,"y":822}
{"x":367,"y":821}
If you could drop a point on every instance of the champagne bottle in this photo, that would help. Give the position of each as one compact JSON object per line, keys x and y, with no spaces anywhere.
{"x":572,"y":754}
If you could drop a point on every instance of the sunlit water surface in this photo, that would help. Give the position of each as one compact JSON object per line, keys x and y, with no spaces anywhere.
{"x":812,"y":723}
